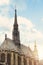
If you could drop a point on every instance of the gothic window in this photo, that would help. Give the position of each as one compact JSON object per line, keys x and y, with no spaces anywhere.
{"x":9,"y":59}
{"x":1,"y":64}
{"x":19,"y":60}
{"x":30,"y":62}
{"x":14,"y":58}
{"x":34,"y":62}
{"x":25,"y":62}
{"x":3,"y":57}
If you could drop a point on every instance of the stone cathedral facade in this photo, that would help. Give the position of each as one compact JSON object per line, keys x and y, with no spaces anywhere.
{"x":12,"y":52}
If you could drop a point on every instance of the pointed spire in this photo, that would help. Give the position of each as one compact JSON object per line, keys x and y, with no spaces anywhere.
{"x":35,"y":45}
{"x":16,"y":37}
{"x":35,"y":51}
{"x":15,"y":16}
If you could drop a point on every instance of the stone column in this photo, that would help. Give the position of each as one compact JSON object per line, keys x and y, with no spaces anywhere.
{"x":12,"y":58}
{"x":16,"y":58}
{"x":27,"y":61}
{"x":22,"y":60}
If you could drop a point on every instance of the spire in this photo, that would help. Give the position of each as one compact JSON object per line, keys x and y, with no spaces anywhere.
{"x":35,"y":51}
{"x":15,"y":16}
{"x":15,"y":21}
{"x":16,"y":37}
{"x":35,"y":47}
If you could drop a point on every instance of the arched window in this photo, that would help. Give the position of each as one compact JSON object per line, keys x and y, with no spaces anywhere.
{"x":9,"y":59}
{"x":30,"y":62}
{"x":34,"y":62}
{"x":14,"y":58}
{"x":1,"y":64}
{"x":25,"y":62}
{"x":3,"y":57}
{"x":19,"y":60}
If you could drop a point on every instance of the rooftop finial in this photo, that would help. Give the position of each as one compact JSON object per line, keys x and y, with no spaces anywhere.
{"x":15,"y":6}
{"x":35,"y":43}
{"x":15,"y":15}
{"x":5,"y":36}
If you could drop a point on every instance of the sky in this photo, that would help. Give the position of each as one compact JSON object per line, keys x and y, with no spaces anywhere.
{"x":30,"y":21}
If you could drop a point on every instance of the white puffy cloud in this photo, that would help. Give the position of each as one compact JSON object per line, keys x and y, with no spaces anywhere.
{"x":8,"y":6}
{"x":20,"y":4}
{"x":42,"y":19}
{"x":29,"y":28}
{"x":25,"y":23}
{"x":26,"y":28}
{"x":4,"y":2}
{"x":4,"y":21}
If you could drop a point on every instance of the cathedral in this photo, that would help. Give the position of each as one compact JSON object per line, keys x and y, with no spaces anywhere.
{"x":12,"y":52}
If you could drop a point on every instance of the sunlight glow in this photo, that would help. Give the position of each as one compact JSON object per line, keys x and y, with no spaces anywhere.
{"x":40,"y":52}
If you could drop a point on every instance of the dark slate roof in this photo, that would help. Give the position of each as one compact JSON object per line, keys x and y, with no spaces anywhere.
{"x":10,"y":45}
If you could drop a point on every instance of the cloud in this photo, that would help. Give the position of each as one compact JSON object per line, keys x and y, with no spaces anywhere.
{"x":20,"y":5}
{"x":8,"y":6}
{"x":25,"y":23}
{"x":4,"y":10}
{"x":4,"y":21}
{"x":27,"y":29}
{"x":2,"y":2}
{"x":42,"y":19}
